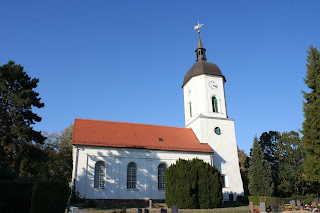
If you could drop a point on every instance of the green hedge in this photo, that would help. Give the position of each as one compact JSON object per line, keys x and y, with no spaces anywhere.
{"x":15,"y":196}
{"x":243,"y":200}
{"x":269,"y":200}
{"x":49,"y":197}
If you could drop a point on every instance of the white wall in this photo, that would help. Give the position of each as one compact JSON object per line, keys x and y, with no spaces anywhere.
{"x":117,"y":160}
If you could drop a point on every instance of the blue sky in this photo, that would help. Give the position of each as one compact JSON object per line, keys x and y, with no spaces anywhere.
{"x":126,"y":60}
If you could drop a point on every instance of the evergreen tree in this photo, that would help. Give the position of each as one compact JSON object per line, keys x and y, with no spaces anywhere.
{"x":268,"y":142}
{"x":290,"y":154}
{"x":260,"y":183}
{"x":311,"y":124}
{"x":17,"y":136}
{"x":193,"y":184}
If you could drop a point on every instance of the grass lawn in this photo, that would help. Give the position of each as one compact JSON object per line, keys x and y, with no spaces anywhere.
{"x":241,"y":209}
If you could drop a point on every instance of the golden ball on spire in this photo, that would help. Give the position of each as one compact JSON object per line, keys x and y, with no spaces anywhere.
{"x":198,"y":31}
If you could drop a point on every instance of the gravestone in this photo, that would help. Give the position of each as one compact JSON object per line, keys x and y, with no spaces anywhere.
{"x":150,"y":203}
{"x":298,"y":203}
{"x":163,"y":210}
{"x":263,"y":208}
{"x":174,"y":209}
{"x":139,"y":210}
{"x":292,"y":203}
{"x":251,"y":207}
{"x":74,"y":209}
{"x":314,"y":204}
{"x":146,"y":210}
{"x":124,"y":209}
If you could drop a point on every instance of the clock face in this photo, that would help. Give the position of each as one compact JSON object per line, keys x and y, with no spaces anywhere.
{"x":213,"y":85}
{"x":189,"y":91}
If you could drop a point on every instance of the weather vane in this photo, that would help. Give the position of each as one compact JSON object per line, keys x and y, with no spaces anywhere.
{"x":198,"y":26}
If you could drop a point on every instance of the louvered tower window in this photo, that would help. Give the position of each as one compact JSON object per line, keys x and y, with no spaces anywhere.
{"x":214,"y":104}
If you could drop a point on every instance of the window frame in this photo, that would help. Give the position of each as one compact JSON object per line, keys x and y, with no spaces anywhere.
{"x":161,"y":181}
{"x":132,"y":175}
{"x":214,"y":103}
{"x":99,"y":181}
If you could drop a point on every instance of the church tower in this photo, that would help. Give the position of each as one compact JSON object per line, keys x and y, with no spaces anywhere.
{"x":206,"y":114}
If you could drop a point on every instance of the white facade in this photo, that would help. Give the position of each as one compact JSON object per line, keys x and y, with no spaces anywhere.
{"x":116,"y":163}
{"x":201,"y":117}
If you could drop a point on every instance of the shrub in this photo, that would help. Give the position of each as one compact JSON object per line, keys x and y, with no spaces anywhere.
{"x":15,"y":197}
{"x":269,"y":200}
{"x":49,"y":197}
{"x":193,"y":184}
{"x":243,"y":200}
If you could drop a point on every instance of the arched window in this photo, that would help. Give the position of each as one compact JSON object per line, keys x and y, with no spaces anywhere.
{"x":99,"y":174}
{"x":161,"y":169}
{"x":214,"y":104}
{"x":190,"y":109}
{"x":132,"y":176}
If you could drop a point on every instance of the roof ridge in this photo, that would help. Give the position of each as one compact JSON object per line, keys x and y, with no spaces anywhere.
{"x":130,"y":123}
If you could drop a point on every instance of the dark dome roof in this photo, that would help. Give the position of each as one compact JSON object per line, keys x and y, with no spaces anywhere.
{"x":202,"y":67}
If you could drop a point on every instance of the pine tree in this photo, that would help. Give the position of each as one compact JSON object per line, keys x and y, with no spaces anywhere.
{"x":311,"y":124}
{"x":17,"y":136}
{"x":260,"y":182}
{"x":290,"y":154}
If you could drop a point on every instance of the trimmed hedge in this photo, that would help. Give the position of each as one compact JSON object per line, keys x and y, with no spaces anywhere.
{"x":15,"y":196}
{"x":269,"y":200}
{"x":34,"y":197}
{"x":243,"y":200}
{"x":193,"y":184}
{"x":49,"y":197}
{"x":277,"y":200}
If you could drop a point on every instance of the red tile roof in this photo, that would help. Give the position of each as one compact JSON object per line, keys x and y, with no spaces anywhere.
{"x":140,"y":136}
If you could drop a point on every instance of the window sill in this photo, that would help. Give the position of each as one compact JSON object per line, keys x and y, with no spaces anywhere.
{"x":133,"y":189}
{"x":98,"y":189}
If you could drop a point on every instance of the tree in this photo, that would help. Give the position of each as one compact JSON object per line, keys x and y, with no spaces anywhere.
{"x":17,"y":100}
{"x":193,"y":184}
{"x":311,"y":124}
{"x":268,"y":142}
{"x":260,"y":183}
{"x":244,"y":167}
{"x":290,"y":154}
{"x":58,"y":147}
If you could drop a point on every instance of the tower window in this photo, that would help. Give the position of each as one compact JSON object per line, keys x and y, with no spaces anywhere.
{"x":190,"y":109}
{"x":214,"y":104}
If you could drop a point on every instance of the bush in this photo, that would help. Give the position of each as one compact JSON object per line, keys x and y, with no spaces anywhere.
{"x":49,"y":197}
{"x":243,"y":200}
{"x":15,"y":197}
{"x":7,"y":173}
{"x":269,"y":200}
{"x":193,"y":184}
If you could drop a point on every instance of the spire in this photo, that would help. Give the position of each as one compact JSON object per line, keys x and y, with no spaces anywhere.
{"x":201,"y":51}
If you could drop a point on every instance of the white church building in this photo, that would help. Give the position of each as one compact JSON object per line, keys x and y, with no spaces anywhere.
{"x":126,"y":161}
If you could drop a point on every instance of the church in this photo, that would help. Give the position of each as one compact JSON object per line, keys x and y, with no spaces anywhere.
{"x":127,"y":161}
